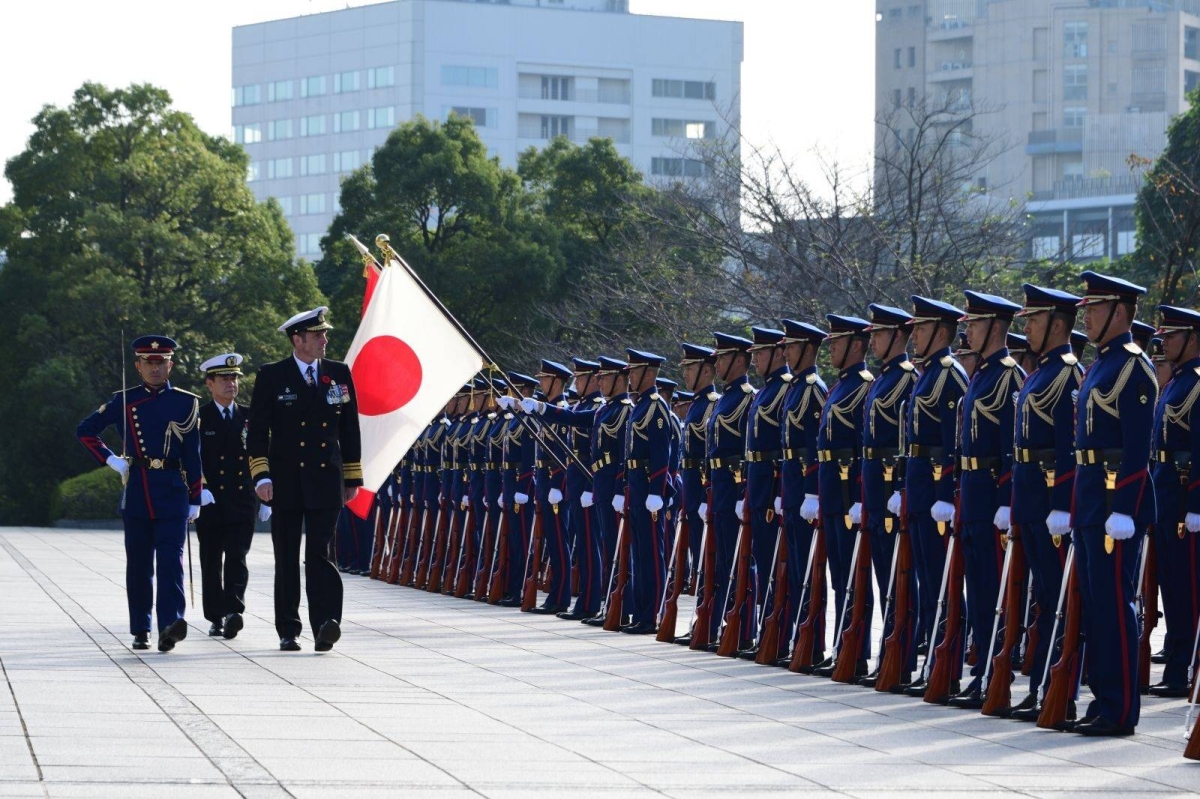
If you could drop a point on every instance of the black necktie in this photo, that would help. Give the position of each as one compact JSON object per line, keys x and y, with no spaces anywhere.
{"x":310,"y":376}
{"x":227,"y":414}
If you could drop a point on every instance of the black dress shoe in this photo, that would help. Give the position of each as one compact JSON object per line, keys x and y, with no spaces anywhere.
{"x":569,"y":615}
{"x":683,"y":640}
{"x":176,"y":631}
{"x":749,"y":653}
{"x":509,"y":602}
{"x":233,"y":625}
{"x":328,"y":635}
{"x":923,"y":649}
{"x":1160,"y":656}
{"x":640,"y":628}
{"x":288,"y":645}
{"x":594,"y":621}
{"x":824,"y":668}
{"x":141,"y":640}
{"x":469,"y":595}
{"x":1102,"y":727}
{"x":870,"y":680}
{"x":1069,"y":721}
{"x":216,"y":629}
{"x":1027,"y":710}
{"x":1166,"y":690}
{"x":549,"y":610}
{"x":916,"y":689}
{"x":970,"y":699}
{"x":713,"y":647}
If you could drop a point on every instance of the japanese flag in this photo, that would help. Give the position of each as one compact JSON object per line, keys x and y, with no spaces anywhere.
{"x":408,"y":359}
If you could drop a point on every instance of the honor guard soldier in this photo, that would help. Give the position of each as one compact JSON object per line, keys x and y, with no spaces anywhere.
{"x":931,"y":425}
{"x":1079,"y":344}
{"x":986,"y":444}
{"x":1114,"y":499}
{"x":1177,"y":494}
{"x":517,"y":476}
{"x":697,"y":365}
{"x":162,"y":485}
{"x":798,"y":501}
{"x":226,"y":527}
{"x":581,"y":518}
{"x":1044,"y":463}
{"x":305,"y":446}
{"x":1164,"y":370}
{"x":667,"y":389}
{"x":726,"y":452}
{"x":550,"y":483}
{"x":839,"y":449}
{"x":887,"y":400}
{"x":1142,"y":333}
{"x":966,"y":356}
{"x":1018,"y":348}
{"x":764,"y":449}
{"x":477,"y":447}
{"x":493,"y":484}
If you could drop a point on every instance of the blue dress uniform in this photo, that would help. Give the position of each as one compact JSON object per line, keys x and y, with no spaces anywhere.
{"x":693,"y":464}
{"x":1177,"y":495}
{"x":1113,"y":497}
{"x":887,"y":399}
{"x":477,"y":484}
{"x":516,"y":471}
{"x":161,"y":430}
{"x":1044,"y":465}
{"x":493,"y":480}
{"x":431,"y":486}
{"x":764,"y":450}
{"x":581,"y":519}
{"x":839,"y":447}
{"x":931,"y":421}
{"x":725,"y":437}
{"x":802,"y":406}
{"x":986,"y":482}
{"x":550,"y":476}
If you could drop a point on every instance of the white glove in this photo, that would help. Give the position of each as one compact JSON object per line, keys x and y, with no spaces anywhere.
{"x":1119,"y":526}
{"x":810,"y":507}
{"x":532,"y":406}
{"x":206,"y":498}
{"x":389,"y":492}
{"x":855,"y":513}
{"x":739,"y":507}
{"x":586,"y":499}
{"x":1003,"y":518}
{"x":554,"y":495}
{"x":619,"y":503}
{"x":703,"y":509}
{"x":1192,"y":522}
{"x":942,"y":512}
{"x":654,"y":503}
{"x":500,"y":502}
{"x":264,"y":512}
{"x":118,"y":465}
{"x":464,"y":502}
{"x":778,"y":506}
{"x":487,"y":504}
{"x":894,"y":503}
{"x":1058,"y":522}
{"x":506,"y":403}
{"x":193,"y":512}
{"x":441,"y":499}
{"x":520,"y":498}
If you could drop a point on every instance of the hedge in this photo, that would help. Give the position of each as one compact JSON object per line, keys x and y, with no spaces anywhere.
{"x":91,"y":495}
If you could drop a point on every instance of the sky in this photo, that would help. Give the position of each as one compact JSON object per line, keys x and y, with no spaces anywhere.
{"x":807,"y":74}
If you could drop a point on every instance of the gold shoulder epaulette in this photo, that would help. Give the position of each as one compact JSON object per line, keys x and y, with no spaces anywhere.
{"x":908,"y":366}
{"x":627,"y":401}
{"x":810,"y":378}
{"x":1069,"y":358}
{"x":1132,"y":347}
{"x":747,"y":388}
{"x":713,"y":396}
{"x":866,"y":375}
{"x":788,"y":377}
{"x":185,"y":391}
{"x":655,"y":395}
{"x":947,"y":361}
{"x":1008,"y":361}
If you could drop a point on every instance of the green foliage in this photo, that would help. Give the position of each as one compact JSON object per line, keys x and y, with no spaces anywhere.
{"x":95,"y":494}
{"x":125,"y":215}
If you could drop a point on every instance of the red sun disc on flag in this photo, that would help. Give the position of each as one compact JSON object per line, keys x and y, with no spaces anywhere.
{"x":387,"y":374}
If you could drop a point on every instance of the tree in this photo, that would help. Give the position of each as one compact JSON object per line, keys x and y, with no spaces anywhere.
{"x":125,"y":215}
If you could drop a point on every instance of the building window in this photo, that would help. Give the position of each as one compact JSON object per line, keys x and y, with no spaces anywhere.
{"x":1045,"y":248}
{"x":253,"y":171}
{"x":279,"y":168}
{"x":475,"y":77}
{"x":312,"y":165}
{"x":1073,"y":116}
{"x":247,"y":95}
{"x":912,"y":57}
{"x":557,"y":126}
{"x":308,"y":244}
{"x":683,"y":128}
{"x":1190,"y":79}
{"x":1072,"y":172}
{"x":279,"y":90}
{"x":312,"y":126}
{"x":557,"y":87}
{"x":482,"y":117}
{"x":313,"y":86}
{"x":1075,"y":78}
{"x":1126,"y":241}
{"x":381,"y":77}
{"x":346,"y":161}
{"x":895,"y":14}
{"x":897,"y":58}
{"x":1087,"y":245}
{"x":248,"y":134}
{"x":895,"y":98}
{"x":285,"y":204}
{"x":912,"y":97}
{"x":1191,"y":43}
{"x":345,"y":122}
{"x":346,"y":82}
{"x":1075,"y":39}
{"x":684,"y":89}
{"x":677,"y":167}
{"x":279,"y":129}
{"x":312,"y":204}
{"x":381,"y":117}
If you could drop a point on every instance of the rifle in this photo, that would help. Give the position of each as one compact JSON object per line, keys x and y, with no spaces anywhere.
{"x":1192,"y":750}
{"x":1033,"y":612}
{"x":483,"y":564}
{"x":998,"y":673}
{"x":414,"y":550}
{"x":946,"y":657}
{"x":393,"y":541}
{"x":706,"y":568}
{"x":458,"y":534}
{"x":669,"y":607}
{"x":777,"y":589}
{"x":381,"y":529}
{"x":731,"y":633}
{"x":499,"y":565}
{"x":431,"y":579}
{"x":1147,"y":602}
{"x":618,"y":579}
{"x":1060,"y":679}
{"x":533,"y":562}
{"x":891,"y":664}
{"x":466,"y":556}
{"x":811,"y":606}
{"x":401,"y":546}
{"x":858,"y":588}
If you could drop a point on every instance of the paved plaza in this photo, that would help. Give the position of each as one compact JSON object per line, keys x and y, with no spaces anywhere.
{"x":432,"y":696}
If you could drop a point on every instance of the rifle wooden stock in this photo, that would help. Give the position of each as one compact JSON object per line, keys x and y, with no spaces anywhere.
{"x":1066,"y":667}
{"x":891,"y":667}
{"x":735,"y":604}
{"x":454,"y":552}
{"x":997,"y":687}
{"x":405,"y":532}
{"x":706,"y":571}
{"x":486,"y":557}
{"x":499,"y":568}
{"x":945,"y":653}
{"x":467,"y":556}
{"x":414,"y":551}
{"x":1147,"y":608}
{"x":614,"y":607}
{"x":1033,"y":612}
{"x":437,"y":552}
{"x":533,"y":562}
{"x":854,"y":632}
{"x":811,"y":607}
{"x":394,"y":542}
{"x":1192,"y":750}
{"x":769,"y":649}
{"x":669,"y":607}
{"x":381,"y":530}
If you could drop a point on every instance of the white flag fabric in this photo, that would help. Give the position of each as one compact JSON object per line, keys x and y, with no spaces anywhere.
{"x":408,"y":359}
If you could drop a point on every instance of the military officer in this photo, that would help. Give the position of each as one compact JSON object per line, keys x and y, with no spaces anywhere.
{"x":493,"y":483}
{"x":160,"y":429}
{"x":697,"y":365}
{"x":550,"y":484}
{"x":225,"y":529}
{"x":585,"y":531}
{"x":1044,"y":462}
{"x":1177,"y":494}
{"x":305,"y":446}
{"x":1114,"y":499}
{"x":517,"y":478}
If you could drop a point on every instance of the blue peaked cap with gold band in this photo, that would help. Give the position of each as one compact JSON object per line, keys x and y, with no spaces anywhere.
{"x":154,"y":348}
{"x":766,"y":337}
{"x":1142,"y":333}
{"x":519,"y":379}
{"x":683,"y":396}
{"x":727,"y":342}
{"x":840,"y":326}
{"x":610,"y":365}
{"x":1040,"y":300}
{"x":885,"y":317}
{"x":583,"y":365}
{"x":1079,"y":341}
{"x":1104,"y":288}
{"x":666,"y":385}
{"x":987,"y":306}
{"x":555,"y":369}
{"x":1175,"y":319}
{"x":693,"y":353}
{"x":801,"y":332}
{"x":1016,"y":343}
{"x":927,"y":310}
{"x":643,"y":358}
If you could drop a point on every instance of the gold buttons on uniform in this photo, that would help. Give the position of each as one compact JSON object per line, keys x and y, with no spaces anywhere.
{"x":302,"y":463}
{"x":322,"y":445}
{"x":324,"y":424}
{"x":303,"y":423}
{"x":302,"y":443}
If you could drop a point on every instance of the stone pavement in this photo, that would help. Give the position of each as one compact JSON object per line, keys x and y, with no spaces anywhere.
{"x":432,"y":696}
